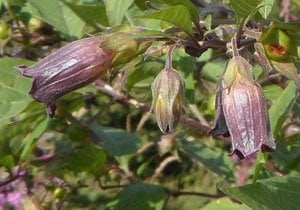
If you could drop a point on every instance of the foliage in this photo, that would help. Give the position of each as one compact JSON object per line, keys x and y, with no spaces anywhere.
{"x":103,"y":148}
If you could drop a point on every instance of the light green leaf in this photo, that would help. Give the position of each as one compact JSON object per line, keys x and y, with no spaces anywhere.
{"x":267,"y":8}
{"x":90,"y":14}
{"x":177,"y":15}
{"x":116,"y":142}
{"x":244,"y":8}
{"x":115,"y":10}
{"x":288,"y":70}
{"x":215,"y":161}
{"x":280,"y":108}
{"x":276,"y":193}
{"x":139,"y":196}
{"x":61,"y":17}
{"x":213,"y":71}
{"x":190,"y":6}
{"x":224,"y":204}
{"x":13,"y":88}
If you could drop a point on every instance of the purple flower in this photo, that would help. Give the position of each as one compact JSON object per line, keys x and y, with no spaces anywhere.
{"x":69,"y":68}
{"x":242,"y":110}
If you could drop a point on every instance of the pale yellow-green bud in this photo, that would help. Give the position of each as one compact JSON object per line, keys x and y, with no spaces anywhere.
{"x":168,"y":95}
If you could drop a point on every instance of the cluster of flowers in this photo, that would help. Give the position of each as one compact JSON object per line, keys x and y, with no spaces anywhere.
{"x":241,"y":107}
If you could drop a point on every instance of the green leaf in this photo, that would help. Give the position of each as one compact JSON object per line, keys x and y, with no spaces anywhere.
{"x":7,"y":161}
{"x":276,"y":193}
{"x":139,"y":196}
{"x":186,"y":64}
{"x":244,"y":8}
{"x":272,"y":92}
{"x":116,"y":142}
{"x":14,"y":88}
{"x":288,"y":70}
{"x":115,"y":10}
{"x":61,"y":17}
{"x":224,"y":204}
{"x":177,"y":15}
{"x":215,"y":161}
{"x":213,"y":71}
{"x":267,"y":8}
{"x":143,"y":71}
{"x":29,"y":142}
{"x":90,"y":14}
{"x":280,"y":108}
{"x":190,"y":6}
{"x":88,"y":159}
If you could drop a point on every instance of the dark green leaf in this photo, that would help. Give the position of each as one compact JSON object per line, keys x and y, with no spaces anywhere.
{"x":276,"y":193}
{"x":280,"y":107}
{"x":177,"y":15}
{"x":116,"y":142}
{"x":215,"y":161}
{"x":86,"y":159}
{"x":139,"y":196}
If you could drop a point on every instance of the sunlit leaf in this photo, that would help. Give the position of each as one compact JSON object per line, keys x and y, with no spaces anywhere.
{"x":271,"y":194}
{"x":13,"y":88}
{"x":177,"y":15}
{"x":115,"y":10}
{"x":61,"y":17}
{"x":280,"y":107}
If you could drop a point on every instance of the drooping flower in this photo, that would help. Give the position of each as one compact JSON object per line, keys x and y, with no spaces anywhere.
{"x":168,"y":94}
{"x":77,"y":64}
{"x":242,"y":110}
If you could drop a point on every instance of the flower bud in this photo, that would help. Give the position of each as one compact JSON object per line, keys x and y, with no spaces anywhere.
{"x":244,"y":108}
{"x":168,"y":93}
{"x":69,"y":68}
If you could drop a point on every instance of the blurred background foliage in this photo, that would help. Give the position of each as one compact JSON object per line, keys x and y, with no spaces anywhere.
{"x":99,"y":152}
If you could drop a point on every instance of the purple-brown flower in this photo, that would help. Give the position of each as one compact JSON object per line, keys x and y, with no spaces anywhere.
{"x":78,"y":64}
{"x":69,"y":68}
{"x":242,"y":110}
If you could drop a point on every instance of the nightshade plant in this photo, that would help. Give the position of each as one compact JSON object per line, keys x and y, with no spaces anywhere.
{"x":162,"y":104}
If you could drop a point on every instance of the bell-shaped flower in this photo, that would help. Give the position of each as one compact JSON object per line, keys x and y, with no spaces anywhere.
{"x":78,"y":64}
{"x":242,"y":110}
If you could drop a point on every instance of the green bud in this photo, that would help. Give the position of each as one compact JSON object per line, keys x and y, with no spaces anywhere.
{"x":125,"y":45}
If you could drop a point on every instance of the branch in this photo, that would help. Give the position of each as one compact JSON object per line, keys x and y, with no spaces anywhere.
{"x":12,"y":179}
